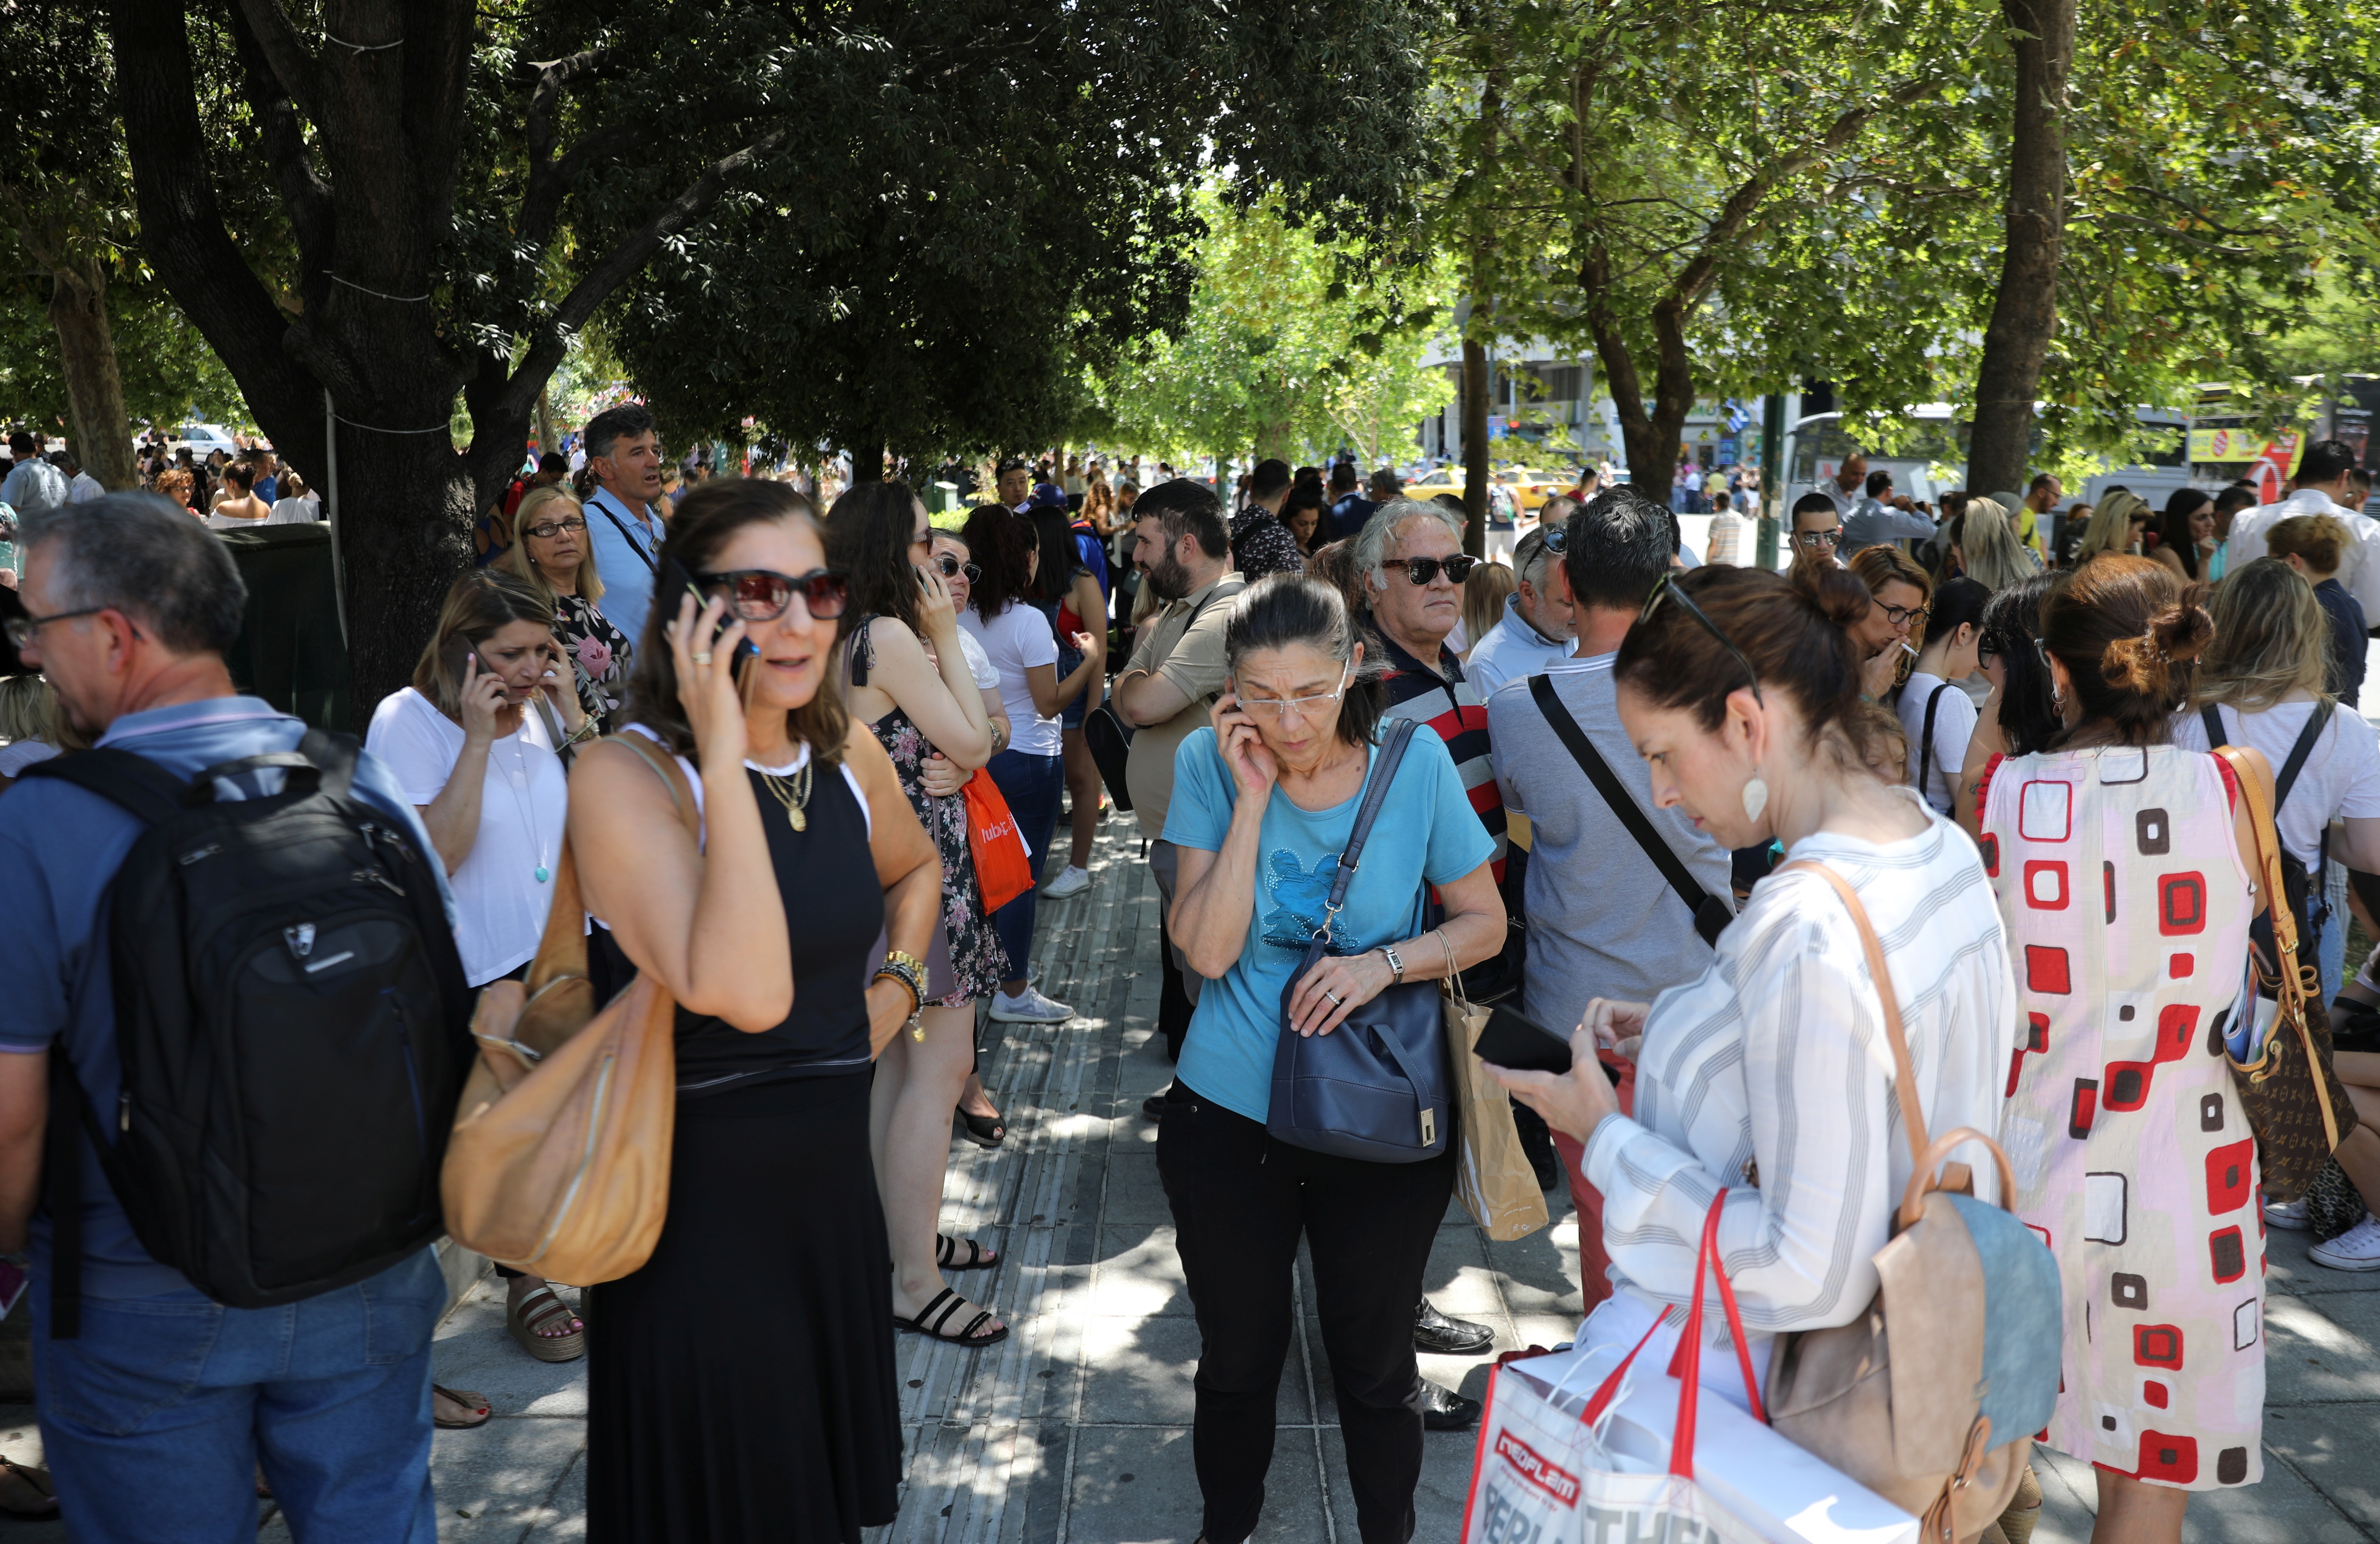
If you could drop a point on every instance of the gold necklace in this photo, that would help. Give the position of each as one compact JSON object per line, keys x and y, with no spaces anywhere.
{"x":798,"y":796}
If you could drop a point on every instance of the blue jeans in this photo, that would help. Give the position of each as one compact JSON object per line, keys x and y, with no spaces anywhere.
{"x":1030,"y":784}
{"x":154,"y":1419}
{"x":2332,"y":946}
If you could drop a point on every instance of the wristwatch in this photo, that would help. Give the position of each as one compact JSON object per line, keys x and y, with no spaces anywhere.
{"x":1396,"y":964}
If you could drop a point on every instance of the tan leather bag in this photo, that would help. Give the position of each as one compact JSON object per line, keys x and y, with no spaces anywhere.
{"x":1910,"y":1427}
{"x":559,"y":1163}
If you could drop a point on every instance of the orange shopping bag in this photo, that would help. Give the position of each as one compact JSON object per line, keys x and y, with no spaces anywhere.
{"x":1003,"y":871}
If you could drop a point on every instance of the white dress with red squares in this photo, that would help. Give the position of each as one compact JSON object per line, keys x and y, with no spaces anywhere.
{"x":2127,"y":910}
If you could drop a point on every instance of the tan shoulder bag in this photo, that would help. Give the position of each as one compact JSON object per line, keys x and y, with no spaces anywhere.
{"x":1900,"y":1399}
{"x":560,"y":1159}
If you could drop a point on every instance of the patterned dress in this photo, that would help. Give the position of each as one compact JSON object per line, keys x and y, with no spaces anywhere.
{"x":600,"y":654}
{"x":2127,"y":911}
{"x":966,"y":960}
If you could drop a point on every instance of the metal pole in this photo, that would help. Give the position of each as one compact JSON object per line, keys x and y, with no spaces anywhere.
{"x":1772,"y":479}
{"x":331,"y":502}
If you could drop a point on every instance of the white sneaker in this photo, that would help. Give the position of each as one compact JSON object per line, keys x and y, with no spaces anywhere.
{"x":1072,"y":881}
{"x":1033,"y":974}
{"x":2288,"y":1216}
{"x":2356,"y":1249}
{"x":1031,"y":1007}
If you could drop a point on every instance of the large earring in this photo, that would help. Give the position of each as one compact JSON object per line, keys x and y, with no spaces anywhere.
{"x":1756,"y":796}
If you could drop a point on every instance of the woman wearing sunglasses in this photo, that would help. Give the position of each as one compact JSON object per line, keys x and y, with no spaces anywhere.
{"x":910,"y":681}
{"x":1767,"y":1075}
{"x":1264,"y":801}
{"x":743,"y":1387}
{"x":555,"y":557}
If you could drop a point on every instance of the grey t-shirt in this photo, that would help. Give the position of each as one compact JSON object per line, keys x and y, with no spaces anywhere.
{"x":1602,"y":920}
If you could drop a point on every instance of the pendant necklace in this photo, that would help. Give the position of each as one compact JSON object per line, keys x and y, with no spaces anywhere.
{"x":520,"y":760}
{"x":792,"y":792}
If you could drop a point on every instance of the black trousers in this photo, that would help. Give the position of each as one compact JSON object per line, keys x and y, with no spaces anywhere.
{"x":1173,"y":1005}
{"x":1239,"y":1201}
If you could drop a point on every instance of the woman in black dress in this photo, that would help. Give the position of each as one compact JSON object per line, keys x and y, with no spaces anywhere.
{"x":705,"y":1424}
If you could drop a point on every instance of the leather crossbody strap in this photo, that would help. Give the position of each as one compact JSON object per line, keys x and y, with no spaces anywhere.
{"x":596,"y":504}
{"x":1375,"y":792}
{"x":1711,"y":914}
{"x":561,"y":951}
{"x":1925,"y":753}
{"x":1904,"y":1074}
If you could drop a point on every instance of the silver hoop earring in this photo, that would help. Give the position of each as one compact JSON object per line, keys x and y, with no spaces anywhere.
{"x":2057,"y":699}
{"x":1756,"y":796}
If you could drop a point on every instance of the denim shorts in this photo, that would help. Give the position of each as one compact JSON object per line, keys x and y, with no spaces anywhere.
{"x":1070,"y":659}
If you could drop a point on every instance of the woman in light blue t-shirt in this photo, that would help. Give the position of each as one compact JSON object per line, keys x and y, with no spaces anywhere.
{"x":1263,"y":804}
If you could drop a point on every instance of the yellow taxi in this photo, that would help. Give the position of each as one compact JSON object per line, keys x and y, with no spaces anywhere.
{"x":1530,"y":486}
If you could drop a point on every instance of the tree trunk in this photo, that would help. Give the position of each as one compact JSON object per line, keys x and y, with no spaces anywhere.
{"x":2024,"y":312}
{"x":546,"y":441}
{"x":1474,"y":446}
{"x":94,"y":388}
{"x":406,"y":511}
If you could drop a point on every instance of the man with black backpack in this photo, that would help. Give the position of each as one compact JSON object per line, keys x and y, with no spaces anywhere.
{"x":234,"y":1035}
{"x":1617,"y":891}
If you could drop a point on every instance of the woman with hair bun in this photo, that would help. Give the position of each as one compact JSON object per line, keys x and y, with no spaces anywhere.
{"x":2123,"y":865}
{"x":1741,"y":689}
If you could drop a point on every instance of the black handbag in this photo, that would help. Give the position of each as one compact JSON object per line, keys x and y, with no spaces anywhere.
{"x":1377,"y":1087}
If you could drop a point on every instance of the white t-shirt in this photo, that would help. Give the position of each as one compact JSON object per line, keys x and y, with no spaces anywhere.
{"x":295,"y":512}
{"x":500,"y":904}
{"x":1015,"y":640}
{"x":2340,"y":780}
{"x":979,"y":665}
{"x":1954,"y":724}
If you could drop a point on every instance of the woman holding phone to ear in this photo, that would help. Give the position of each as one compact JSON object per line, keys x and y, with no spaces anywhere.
{"x":484,"y":773}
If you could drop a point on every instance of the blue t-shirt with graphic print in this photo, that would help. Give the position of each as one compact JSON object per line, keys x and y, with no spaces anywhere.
{"x":1426,"y":832}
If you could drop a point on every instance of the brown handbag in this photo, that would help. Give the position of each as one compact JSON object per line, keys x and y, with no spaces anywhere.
{"x":1911,"y":1426}
{"x":559,"y":1162}
{"x":2294,"y":1101}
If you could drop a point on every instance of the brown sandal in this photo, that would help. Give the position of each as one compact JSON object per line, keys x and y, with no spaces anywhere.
{"x":539,"y":1307}
{"x":30,"y":1479}
{"x":468,"y":1400}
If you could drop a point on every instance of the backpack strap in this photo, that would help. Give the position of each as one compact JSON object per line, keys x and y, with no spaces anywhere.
{"x":1925,"y":753}
{"x":2297,"y":753}
{"x":131,"y":782}
{"x":1711,"y":914}
{"x":62,"y":1192}
{"x":2212,"y":716}
{"x":335,"y":755}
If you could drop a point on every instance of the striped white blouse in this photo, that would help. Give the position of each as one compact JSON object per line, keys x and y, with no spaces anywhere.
{"x":1772,"y":1069}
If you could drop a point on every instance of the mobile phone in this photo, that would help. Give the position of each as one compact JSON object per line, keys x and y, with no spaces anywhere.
{"x":1510,"y":1040}
{"x":456,"y":654}
{"x":673,"y":574}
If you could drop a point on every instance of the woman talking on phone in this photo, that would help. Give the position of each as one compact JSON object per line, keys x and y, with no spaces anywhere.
{"x":484,"y":773}
{"x":711,"y":1420}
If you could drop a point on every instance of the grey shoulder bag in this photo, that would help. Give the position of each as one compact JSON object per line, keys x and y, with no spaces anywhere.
{"x":1376,"y":1087}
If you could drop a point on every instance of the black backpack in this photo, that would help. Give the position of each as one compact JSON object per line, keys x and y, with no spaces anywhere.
{"x":293,"y":1029}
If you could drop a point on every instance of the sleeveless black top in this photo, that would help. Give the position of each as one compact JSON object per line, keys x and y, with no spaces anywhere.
{"x":835,"y":911}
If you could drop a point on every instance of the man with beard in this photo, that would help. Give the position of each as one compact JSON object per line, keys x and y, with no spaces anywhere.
{"x":1184,"y":553}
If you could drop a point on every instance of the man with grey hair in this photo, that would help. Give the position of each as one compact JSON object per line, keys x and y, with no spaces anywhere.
{"x":156,"y":1414}
{"x":624,"y":524}
{"x":1536,"y":628}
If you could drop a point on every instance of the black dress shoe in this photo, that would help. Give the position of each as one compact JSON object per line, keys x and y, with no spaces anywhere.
{"x":1444,"y":1410}
{"x":1433,"y":1331}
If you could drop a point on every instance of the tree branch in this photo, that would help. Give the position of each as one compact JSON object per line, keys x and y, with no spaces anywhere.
{"x":284,"y":52}
{"x":303,"y":192}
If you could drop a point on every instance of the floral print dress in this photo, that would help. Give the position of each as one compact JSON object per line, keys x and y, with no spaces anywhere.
{"x":2127,"y":911}
{"x":600,"y":654}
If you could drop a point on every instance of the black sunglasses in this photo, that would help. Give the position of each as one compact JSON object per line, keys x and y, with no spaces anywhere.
{"x":762,"y":594}
{"x":1422,"y":570}
{"x":1666,"y":588}
{"x":951,"y":567}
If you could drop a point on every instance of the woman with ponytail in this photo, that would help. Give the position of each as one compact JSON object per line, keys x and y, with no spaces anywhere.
{"x":1741,"y":689}
{"x":2123,"y":865}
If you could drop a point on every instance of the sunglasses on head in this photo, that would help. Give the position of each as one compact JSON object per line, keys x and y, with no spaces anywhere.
{"x":1422,"y":570}
{"x":762,"y":594}
{"x":951,"y":567}
{"x":1666,"y":589}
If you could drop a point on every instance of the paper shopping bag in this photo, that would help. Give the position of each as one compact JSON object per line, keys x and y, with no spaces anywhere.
{"x":1493,"y":1176}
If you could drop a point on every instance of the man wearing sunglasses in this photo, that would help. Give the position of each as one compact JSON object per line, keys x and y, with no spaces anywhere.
{"x":1536,"y":628}
{"x":1818,"y":535}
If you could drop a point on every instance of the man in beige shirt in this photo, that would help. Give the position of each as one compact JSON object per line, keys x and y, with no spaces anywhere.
{"x":1184,"y":553}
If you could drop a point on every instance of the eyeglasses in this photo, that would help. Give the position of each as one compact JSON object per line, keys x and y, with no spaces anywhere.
{"x":22,"y":628}
{"x":553,"y":529}
{"x":951,"y":567}
{"x":1666,"y":588}
{"x":1813,"y":540}
{"x":1901,"y":616}
{"x":1424,"y":571}
{"x":1274,"y":707}
{"x":762,"y":594}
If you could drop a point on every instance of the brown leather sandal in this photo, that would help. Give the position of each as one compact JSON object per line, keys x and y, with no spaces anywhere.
{"x":540,"y":1307}
{"x":15,"y":1480}
{"x":468,"y":1400}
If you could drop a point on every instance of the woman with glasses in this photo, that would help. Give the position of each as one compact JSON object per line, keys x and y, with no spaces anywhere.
{"x":1900,"y":590}
{"x":909,"y":680}
{"x":1768,"y":1075}
{"x":555,"y":557}
{"x":716,"y":1414}
{"x":1264,"y":800}
{"x":2125,"y":868}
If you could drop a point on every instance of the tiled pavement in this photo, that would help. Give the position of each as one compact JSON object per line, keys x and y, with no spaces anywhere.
{"x":1075,"y":1430}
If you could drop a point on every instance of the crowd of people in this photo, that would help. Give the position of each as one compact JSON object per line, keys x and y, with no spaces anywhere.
{"x":772,"y":739}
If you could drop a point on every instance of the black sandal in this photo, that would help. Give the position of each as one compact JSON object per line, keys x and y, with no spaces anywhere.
{"x":946,"y":1253}
{"x":940,"y":1329}
{"x":35,"y":1481}
{"x":985,"y":1131}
